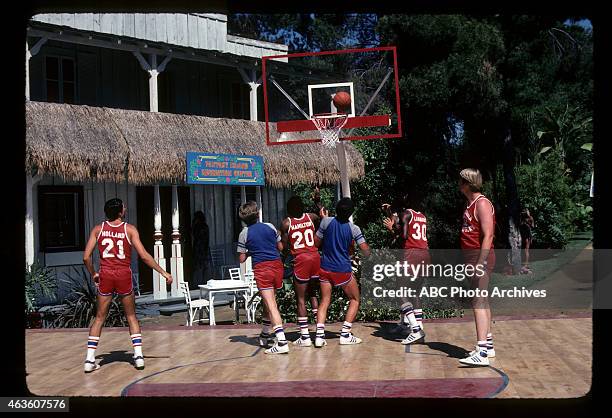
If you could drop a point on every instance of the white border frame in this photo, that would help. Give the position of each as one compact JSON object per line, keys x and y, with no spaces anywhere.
{"x":321,"y":86}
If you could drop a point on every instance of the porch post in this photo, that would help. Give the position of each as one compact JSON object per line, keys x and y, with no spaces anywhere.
{"x":176,"y":261}
{"x":29,"y":223}
{"x":30,"y":52}
{"x":258,"y":200}
{"x":159,"y":283}
{"x":254,"y":83}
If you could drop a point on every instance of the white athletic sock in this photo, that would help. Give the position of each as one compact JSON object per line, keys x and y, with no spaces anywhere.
{"x":92,"y":344}
{"x":346,"y":329}
{"x":303,"y":324}
{"x":320,"y":330}
{"x":410,"y":318}
{"x":137,"y":344}
{"x":482,"y":346}
{"x":280,"y":335}
{"x":418,"y":313}
{"x":489,"y":341}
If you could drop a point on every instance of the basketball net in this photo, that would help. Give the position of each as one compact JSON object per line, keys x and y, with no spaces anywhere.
{"x":329,"y":126}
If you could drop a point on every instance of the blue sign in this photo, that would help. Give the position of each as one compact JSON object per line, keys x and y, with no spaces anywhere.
{"x":227,"y":169}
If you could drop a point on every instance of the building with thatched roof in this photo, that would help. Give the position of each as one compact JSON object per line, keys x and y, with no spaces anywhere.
{"x":113,"y":104}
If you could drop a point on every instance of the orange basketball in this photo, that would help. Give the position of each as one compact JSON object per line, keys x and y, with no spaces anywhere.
{"x":342,"y":101}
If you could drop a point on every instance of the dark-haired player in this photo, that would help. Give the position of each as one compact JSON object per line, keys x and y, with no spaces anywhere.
{"x":115,"y":239}
{"x":411,"y":226}
{"x":335,"y":237}
{"x":297,"y":233}
{"x":262,"y":242}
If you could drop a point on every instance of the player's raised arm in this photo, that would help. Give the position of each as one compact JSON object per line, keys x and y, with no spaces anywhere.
{"x":89,"y":249}
{"x":144,"y":255}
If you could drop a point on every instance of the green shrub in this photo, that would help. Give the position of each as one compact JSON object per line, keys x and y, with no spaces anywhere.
{"x":39,"y":280}
{"x":80,"y":306}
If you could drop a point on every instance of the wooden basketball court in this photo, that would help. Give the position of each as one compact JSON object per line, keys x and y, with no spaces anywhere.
{"x":536,"y":358}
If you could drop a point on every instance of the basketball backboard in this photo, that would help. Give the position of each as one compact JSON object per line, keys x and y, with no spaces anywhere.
{"x":298,"y":86}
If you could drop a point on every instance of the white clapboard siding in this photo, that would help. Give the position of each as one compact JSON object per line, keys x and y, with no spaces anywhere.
{"x":195,"y":30}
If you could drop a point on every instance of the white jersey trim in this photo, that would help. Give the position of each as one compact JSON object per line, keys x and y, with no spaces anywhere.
{"x":126,"y":233}
{"x":476,"y":212}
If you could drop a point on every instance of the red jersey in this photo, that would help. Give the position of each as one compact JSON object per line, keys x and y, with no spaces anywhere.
{"x":301,"y":235}
{"x":416,"y":230}
{"x":470,"y":231}
{"x":114,"y":246}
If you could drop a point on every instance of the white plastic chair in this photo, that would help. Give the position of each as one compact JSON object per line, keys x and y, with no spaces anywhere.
{"x":194,"y":306}
{"x":252,"y":298}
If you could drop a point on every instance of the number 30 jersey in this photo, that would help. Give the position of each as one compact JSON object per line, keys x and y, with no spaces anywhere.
{"x":114,"y":246}
{"x":417,"y":230}
{"x":301,"y":235}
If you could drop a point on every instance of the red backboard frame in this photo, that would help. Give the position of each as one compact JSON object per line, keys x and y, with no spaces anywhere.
{"x":264,"y":60}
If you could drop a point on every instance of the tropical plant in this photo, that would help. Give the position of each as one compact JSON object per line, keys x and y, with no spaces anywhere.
{"x":39,"y":281}
{"x":80,"y":306}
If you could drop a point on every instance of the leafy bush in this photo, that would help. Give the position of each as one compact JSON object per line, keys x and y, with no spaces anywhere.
{"x":546,"y":192}
{"x":80,"y":308}
{"x":39,"y":280}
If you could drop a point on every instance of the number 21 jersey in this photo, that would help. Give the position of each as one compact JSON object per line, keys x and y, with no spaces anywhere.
{"x":114,"y":246}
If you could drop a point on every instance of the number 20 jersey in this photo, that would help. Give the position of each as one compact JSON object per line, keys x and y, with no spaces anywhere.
{"x":114,"y":246}
{"x":301,"y":235}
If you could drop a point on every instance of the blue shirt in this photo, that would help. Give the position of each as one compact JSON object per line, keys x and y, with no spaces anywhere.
{"x":337,"y":237}
{"x":259,"y":240}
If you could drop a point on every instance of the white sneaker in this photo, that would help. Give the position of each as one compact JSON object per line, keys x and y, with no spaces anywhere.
{"x":320,"y":342}
{"x":303,"y":342}
{"x":476,"y":358}
{"x":139,"y":362}
{"x":90,"y":366}
{"x":278,"y":349}
{"x":490,"y":352}
{"x":350,"y":340}
{"x":413,"y":337}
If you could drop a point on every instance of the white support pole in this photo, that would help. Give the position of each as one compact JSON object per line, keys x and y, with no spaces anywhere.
{"x":258,"y":200}
{"x":153,"y":101}
{"x":159,"y":283}
{"x":29,"y":223}
{"x":254,"y":83}
{"x":176,"y":261}
{"x":30,"y":52}
{"x":27,"y":72}
{"x":342,"y":166}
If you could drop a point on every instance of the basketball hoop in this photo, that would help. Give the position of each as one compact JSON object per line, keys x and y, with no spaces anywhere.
{"x":329,"y":126}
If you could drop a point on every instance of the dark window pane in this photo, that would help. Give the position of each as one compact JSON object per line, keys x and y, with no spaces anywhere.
{"x":235,"y":91}
{"x":61,"y":229}
{"x":69,"y":93}
{"x":67,"y":69}
{"x":236,"y":110}
{"x":52,"y":68}
{"x":52,"y":91}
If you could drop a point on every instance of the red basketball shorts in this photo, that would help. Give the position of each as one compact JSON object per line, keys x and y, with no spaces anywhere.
{"x":269,"y":274}
{"x":416,"y":256}
{"x":470,"y":256}
{"x":306,"y":266}
{"x":117,"y":281}
{"x":335,"y":278}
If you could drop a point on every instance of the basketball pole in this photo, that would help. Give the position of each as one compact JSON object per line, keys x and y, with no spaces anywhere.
{"x":342,"y":166}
